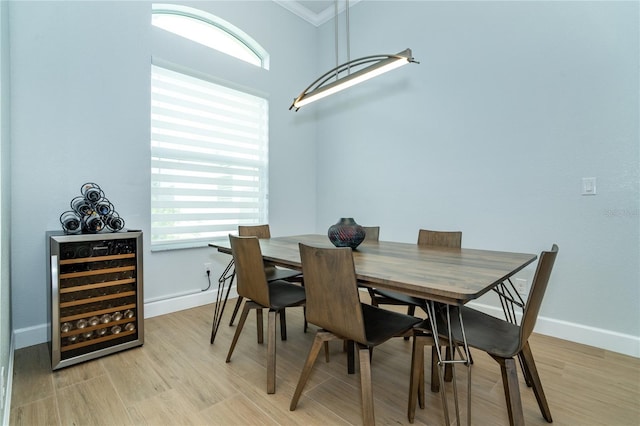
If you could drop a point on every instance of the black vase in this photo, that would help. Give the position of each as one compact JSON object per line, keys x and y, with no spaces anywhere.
{"x":346,"y":233}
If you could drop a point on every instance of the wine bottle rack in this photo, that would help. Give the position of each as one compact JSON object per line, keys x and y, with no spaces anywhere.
{"x":96,"y":303}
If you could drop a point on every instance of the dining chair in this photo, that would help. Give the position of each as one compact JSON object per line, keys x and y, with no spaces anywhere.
{"x":426,"y":237}
{"x":333,"y":304}
{"x":371,"y":233}
{"x":260,"y":294}
{"x":502,"y":339}
{"x":273,"y":272}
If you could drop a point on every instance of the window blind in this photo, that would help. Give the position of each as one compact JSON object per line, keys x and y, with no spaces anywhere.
{"x":209,"y":160}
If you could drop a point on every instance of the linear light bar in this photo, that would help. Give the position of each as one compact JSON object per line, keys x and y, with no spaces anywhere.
{"x":323,"y":87}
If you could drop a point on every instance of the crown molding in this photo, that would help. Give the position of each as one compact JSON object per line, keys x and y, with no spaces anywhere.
{"x":316,"y":19}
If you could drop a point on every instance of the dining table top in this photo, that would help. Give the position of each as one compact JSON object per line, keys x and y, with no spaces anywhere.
{"x":449,"y":275}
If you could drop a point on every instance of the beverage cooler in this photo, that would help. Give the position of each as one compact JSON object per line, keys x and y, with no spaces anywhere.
{"x":95,"y":296}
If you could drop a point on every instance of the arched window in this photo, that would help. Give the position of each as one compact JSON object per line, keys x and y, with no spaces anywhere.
{"x":209,"y":138}
{"x":209,"y":30}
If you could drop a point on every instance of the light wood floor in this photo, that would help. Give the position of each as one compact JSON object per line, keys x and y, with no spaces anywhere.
{"x":178,"y":378}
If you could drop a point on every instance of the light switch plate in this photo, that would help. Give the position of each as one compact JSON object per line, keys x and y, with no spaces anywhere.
{"x":588,"y":186}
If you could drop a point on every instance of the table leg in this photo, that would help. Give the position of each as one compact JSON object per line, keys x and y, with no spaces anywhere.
{"x":221,"y":297}
{"x":443,"y":362}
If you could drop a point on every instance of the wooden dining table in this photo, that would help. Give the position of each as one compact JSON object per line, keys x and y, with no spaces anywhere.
{"x":449,"y":276}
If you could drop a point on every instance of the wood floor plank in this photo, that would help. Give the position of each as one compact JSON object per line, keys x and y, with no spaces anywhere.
{"x":93,"y":402}
{"x":42,"y":412}
{"x":238,"y":410}
{"x":172,"y":407}
{"x":78,"y":374}
{"x":32,"y":377}
{"x":134,"y":375}
{"x":178,"y":378}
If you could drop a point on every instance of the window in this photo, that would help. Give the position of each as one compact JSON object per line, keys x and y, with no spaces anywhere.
{"x":209,"y":30}
{"x":209,"y":141}
{"x":209,"y":162}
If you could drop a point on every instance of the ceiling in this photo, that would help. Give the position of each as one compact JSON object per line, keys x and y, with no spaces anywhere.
{"x":316,"y":12}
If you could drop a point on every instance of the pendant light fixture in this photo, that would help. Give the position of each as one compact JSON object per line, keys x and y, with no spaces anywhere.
{"x":351,"y":72}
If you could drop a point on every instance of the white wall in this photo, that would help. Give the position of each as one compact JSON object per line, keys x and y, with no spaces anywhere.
{"x":512,"y":104}
{"x":6,"y":354}
{"x":81,"y":94}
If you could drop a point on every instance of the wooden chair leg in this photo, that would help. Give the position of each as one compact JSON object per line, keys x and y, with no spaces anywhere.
{"x":259,"y":325}
{"x":283,"y":325}
{"x":347,"y":346}
{"x":304,"y":313}
{"x":321,"y":338}
{"x":530,"y":366}
{"x":351,"y":367}
{"x":511,"y":390}
{"x":271,"y":351}
{"x":448,"y":369}
{"x":411,"y":310}
{"x":366,"y":389}
{"x":421,"y":388}
{"x":435,"y":381}
{"x":525,"y":370}
{"x":235,"y":310}
{"x":416,"y":391}
{"x":372,"y":295}
{"x":243,"y":318}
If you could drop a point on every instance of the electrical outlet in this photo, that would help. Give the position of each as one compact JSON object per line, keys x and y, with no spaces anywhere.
{"x":207,"y":268}
{"x":521,"y":285}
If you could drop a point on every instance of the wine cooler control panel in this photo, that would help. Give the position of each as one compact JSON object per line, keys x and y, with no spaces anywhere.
{"x":96,"y":295}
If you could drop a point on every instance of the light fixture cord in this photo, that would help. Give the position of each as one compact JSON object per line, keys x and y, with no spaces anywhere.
{"x":336,"y":38}
{"x":348,"y":39}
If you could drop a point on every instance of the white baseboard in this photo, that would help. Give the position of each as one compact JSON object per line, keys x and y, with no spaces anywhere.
{"x":6,"y":400}
{"x":154,"y":308}
{"x":592,"y":336}
{"x":586,"y":335}
{"x":30,"y":336}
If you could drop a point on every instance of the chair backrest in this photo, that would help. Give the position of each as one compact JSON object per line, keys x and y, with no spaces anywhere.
{"x":372,"y":233}
{"x":332,"y":292}
{"x":451,"y":239}
{"x":260,"y":231}
{"x":536,"y":294}
{"x":251,"y":278}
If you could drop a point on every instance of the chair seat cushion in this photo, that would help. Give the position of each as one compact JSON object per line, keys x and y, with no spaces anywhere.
{"x":401,"y":298}
{"x":283,"y":294}
{"x":381,"y":324}
{"x":485,"y":332}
